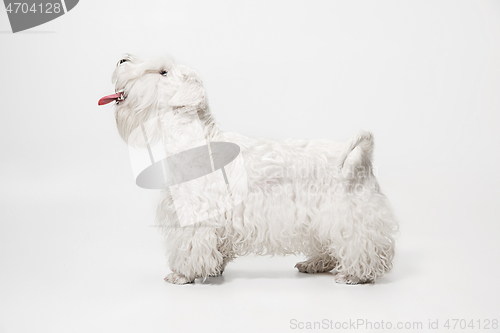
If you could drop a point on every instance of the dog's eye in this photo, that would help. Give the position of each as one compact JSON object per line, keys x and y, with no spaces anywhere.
{"x":121,"y":62}
{"x":164,"y":72}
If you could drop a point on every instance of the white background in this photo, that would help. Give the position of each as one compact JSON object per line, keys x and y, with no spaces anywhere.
{"x":77,"y":253}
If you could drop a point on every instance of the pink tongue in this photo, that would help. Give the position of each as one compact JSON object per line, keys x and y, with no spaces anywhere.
{"x":108,"y":99}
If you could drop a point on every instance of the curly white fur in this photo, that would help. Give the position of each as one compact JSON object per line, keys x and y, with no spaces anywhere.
{"x":318,"y":198}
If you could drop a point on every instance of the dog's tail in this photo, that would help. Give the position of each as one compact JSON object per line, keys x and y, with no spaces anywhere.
{"x":358,"y":150}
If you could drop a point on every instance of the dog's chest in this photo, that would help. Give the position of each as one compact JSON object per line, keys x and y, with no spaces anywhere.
{"x":182,"y":132}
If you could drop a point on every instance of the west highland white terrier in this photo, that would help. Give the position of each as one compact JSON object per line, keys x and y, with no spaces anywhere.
{"x":317,"y":198}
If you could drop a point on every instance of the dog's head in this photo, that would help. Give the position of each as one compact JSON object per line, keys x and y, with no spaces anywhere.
{"x":148,"y":89}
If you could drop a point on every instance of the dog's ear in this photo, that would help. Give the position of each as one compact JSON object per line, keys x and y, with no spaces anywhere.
{"x":190,"y":93}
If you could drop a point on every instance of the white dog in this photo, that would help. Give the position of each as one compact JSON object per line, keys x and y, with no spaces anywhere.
{"x":317,"y":198}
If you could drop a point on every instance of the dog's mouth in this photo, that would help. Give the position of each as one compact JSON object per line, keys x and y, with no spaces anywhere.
{"x":118,"y":97}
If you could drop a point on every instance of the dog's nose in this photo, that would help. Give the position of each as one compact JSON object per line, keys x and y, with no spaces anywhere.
{"x":121,"y":61}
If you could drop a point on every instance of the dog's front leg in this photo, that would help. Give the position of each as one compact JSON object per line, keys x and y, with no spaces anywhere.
{"x":193,"y":254}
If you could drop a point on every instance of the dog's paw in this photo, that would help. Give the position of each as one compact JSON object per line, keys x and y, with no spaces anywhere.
{"x":305,"y":267}
{"x":215,"y":274}
{"x":177,"y":279}
{"x":351,"y":280}
{"x":315,"y":266}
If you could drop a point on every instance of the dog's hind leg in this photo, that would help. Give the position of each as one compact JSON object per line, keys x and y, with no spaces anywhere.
{"x":362,"y":237}
{"x":317,"y":264}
